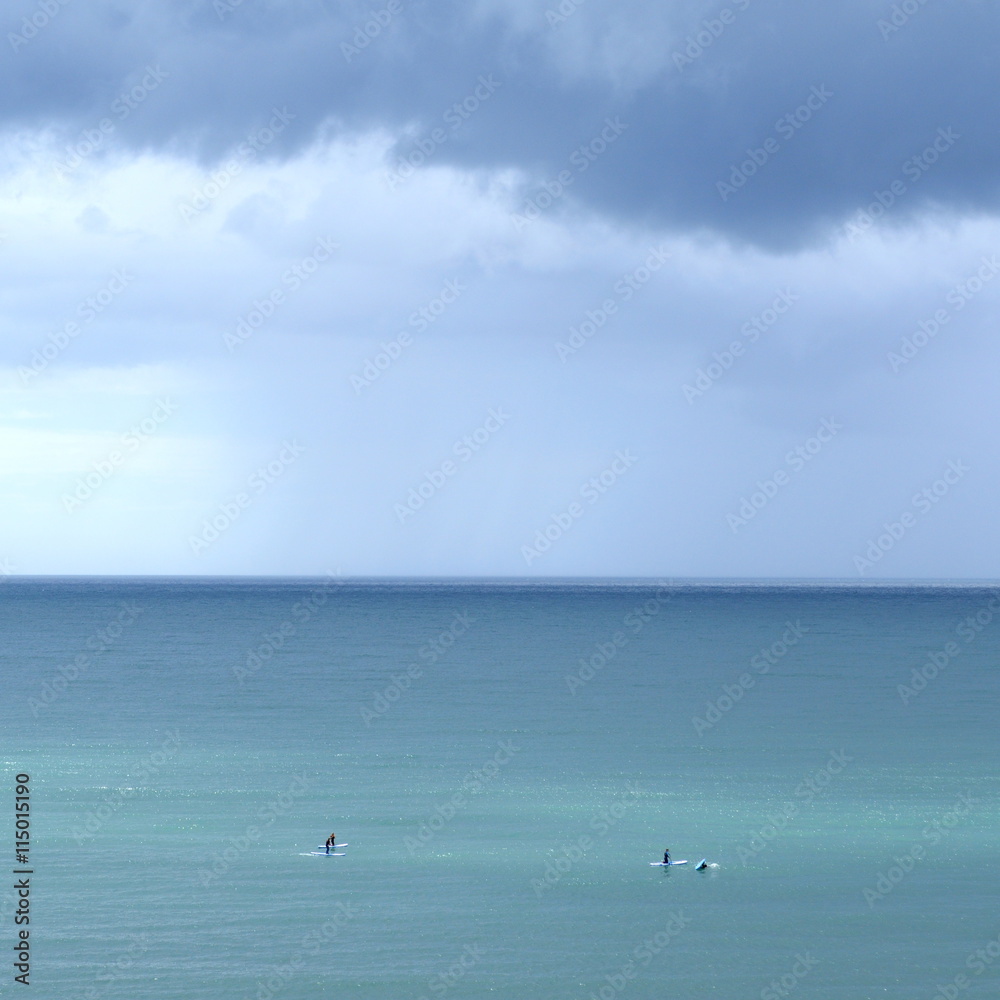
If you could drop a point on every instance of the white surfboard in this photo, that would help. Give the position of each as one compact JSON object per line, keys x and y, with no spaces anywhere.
{"x":336,"y":847}
{"x":661,"y":864}
{"x":323,"y":854}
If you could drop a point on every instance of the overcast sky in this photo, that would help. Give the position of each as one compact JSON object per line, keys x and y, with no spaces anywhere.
{"x":500,"y":287}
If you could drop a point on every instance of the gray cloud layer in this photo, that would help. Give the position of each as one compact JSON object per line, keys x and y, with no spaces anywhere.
{"x":882,"y":79}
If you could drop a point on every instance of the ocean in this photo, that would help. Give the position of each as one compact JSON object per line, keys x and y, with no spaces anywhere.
{"x":504,"y":760}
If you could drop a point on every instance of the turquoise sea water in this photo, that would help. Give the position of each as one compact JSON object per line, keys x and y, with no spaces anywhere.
{"x":504,"y":760}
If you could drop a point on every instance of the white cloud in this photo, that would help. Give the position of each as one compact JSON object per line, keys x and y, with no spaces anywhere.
{"x":525,"y":290}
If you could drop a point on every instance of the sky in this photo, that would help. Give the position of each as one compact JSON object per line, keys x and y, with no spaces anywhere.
{"x":522,"y":288}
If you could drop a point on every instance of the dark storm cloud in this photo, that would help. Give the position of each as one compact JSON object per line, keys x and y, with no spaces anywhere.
{"x":765,"y":120}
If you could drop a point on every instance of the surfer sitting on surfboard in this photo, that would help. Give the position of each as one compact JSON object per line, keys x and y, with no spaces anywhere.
{"x":331,"y":842}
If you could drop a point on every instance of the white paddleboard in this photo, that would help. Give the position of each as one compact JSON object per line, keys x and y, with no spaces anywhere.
{"x":660,"y":864}
{"x":336,"y":847}
{"x":323,"y":854}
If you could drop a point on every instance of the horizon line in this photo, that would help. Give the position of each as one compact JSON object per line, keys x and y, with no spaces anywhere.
{"x":661,"y":580}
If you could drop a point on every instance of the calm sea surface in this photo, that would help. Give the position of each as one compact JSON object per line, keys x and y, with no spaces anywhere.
{"x":504,"y":761}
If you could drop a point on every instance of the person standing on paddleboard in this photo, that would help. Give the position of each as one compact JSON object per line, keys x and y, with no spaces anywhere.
{"x":331,"y":842}
{"x":666,"y":856}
